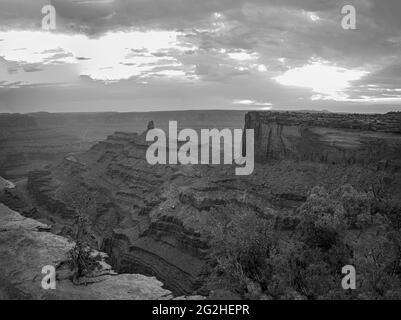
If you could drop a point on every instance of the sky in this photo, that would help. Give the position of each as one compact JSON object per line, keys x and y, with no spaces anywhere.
{"x":156,"y":55}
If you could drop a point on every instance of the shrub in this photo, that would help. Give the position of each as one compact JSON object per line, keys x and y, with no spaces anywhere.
{"x":241,"y":249}
{"x":321,"y":220}
{"x":343,"y":227}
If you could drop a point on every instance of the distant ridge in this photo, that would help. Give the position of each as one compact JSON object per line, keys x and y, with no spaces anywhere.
{"x":17,"y":120}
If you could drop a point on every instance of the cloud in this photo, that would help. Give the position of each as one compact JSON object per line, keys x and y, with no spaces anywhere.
{"x":290,"y":53}
{"x":252,"y":103}
{"x":327,"y":81}
{"x":120,"y":61}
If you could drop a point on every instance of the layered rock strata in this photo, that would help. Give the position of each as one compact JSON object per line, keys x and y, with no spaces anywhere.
{"x":26,"y":246}
{"x":327,"y":138}
{"x":153,"y":220}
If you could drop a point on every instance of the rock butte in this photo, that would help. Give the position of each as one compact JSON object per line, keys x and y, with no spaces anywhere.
{"x":327,"y":137}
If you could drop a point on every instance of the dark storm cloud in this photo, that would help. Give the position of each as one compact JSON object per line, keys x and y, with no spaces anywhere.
{"x":102,"y":15}
{"x":280,"y":32}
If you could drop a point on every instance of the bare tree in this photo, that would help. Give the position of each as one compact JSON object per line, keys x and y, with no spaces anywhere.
{"x":82,"y":259}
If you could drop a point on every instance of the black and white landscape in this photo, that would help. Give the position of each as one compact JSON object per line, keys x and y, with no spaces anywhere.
{"x":85,"y":215}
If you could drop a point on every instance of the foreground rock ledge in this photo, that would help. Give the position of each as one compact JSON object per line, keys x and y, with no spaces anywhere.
{"x":26,"y":246}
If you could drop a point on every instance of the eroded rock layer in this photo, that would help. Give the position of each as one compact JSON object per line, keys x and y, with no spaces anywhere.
{"x":326,"y":137}
{"x":26,"y":246}
{"x":157,"y":220}
{"x":153,"y":220}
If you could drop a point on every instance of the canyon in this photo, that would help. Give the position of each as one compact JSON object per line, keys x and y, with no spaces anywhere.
{"x":197,"y":151}
{"x":32,"y":141}
{"x":27,"y":245}
{"x":156,"y":220}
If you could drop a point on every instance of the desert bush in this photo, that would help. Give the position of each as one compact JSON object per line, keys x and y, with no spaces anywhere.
{"x":338,"y":228}
{"x":390,"y":211}
{"x":299,"y":272}
{"x":377,"y":259}
{"x":357,"y":207}
{"x":321,"y":220}
{"x":241,"y":248}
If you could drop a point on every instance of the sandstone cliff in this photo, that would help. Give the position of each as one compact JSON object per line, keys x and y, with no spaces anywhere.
{"x":156,"y":220}
{"x":326,"y":137}
{"x":152,"y":220}
{"x":27,"y":245}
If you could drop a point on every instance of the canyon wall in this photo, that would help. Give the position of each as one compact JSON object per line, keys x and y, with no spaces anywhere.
{"x":152,"y":220}
{"x":327,"y":138}
{"x":132,"y":228}
{"x":158,"y":220}
{"x":26,"y":246}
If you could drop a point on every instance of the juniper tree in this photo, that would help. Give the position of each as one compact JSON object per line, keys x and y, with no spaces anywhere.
{"x":82,"y":259}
